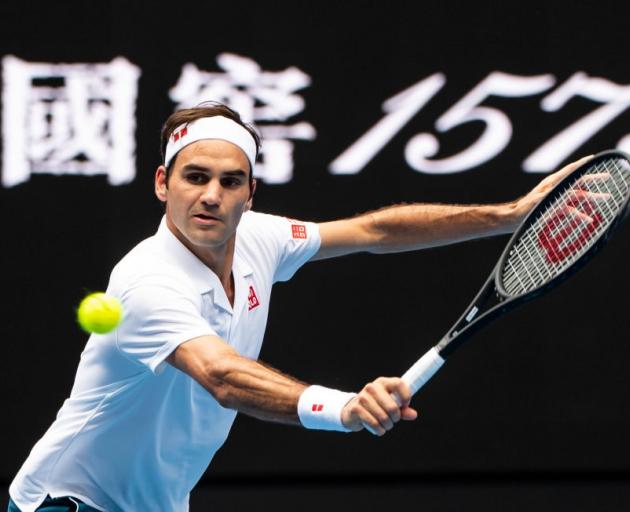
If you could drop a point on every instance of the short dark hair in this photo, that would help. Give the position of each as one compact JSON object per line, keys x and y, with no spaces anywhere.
{"x":205,"y":109}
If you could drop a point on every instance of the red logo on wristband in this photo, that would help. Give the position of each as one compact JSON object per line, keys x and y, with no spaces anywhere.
{"x":317,"y":407}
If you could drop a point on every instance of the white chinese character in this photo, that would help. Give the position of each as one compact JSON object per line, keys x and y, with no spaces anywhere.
{"x":266,"y":98}
{"x":68,"y":119}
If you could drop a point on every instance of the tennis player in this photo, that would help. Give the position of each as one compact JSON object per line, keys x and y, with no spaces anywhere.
{"x":154,"y":400}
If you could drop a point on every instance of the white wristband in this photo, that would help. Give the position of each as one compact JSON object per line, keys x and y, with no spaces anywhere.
{"x":320,"y":408}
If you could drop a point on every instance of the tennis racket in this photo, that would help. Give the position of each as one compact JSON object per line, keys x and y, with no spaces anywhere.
{"x":570,"y":225}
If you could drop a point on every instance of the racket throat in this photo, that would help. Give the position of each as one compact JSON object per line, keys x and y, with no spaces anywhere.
{"x":486,"y":306}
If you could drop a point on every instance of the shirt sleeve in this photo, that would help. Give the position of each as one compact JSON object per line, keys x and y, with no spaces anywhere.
{"x":287,"y":242}
{"x":160,"y":313}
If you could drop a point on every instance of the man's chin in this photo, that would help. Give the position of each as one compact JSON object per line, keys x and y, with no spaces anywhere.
{"x":209,"y":242}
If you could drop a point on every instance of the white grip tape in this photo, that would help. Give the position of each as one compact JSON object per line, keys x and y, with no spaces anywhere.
{"x":423,"y":369}
{"x":320,"y":408}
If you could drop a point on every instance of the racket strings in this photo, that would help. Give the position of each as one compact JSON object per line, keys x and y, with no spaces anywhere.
{"x":562,"y":236}
{"x":572,"y":222}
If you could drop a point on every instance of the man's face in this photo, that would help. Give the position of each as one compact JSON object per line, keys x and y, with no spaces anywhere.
{"x":207,"y":192}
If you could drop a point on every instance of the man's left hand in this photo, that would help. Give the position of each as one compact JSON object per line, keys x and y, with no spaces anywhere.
{"x":522,"y":206}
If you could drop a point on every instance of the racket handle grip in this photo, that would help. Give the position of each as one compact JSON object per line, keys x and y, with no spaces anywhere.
{"x":423,"y":369}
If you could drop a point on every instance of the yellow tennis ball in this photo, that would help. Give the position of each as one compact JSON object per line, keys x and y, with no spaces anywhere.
{"x":99,"y":313}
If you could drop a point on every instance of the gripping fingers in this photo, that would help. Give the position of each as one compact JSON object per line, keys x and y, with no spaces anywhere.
{"x":373,"y":417}
{"x":358,"y":416}
{"x":385,"y":409}
{"x":380,"y":405}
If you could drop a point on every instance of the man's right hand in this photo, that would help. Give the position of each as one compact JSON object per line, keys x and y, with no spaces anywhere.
{"x":374,"y":408}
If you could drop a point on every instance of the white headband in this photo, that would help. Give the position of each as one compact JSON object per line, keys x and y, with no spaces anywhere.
{"x":216,"y":127}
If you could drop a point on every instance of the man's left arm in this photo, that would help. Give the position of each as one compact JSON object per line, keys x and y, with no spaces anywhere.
{"x":417,"y":226}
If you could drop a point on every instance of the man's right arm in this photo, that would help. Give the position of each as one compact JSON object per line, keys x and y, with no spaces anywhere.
{"x":237,"y":382}
{"x":248,"y":386}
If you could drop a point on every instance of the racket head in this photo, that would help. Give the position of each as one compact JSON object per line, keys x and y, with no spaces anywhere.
{"x":557,"y":238}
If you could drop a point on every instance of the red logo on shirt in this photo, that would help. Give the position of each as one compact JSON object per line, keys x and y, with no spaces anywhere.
{"x":298,"y":230}
{"x":252,"y":299}
{"x":178,"y":135}
{"x":317,"y":407}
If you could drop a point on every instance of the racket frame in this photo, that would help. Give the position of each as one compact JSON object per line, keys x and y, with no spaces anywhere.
{"x":471,"y":321}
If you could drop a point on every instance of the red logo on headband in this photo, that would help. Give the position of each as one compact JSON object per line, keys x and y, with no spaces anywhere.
{"x":181,"y":133}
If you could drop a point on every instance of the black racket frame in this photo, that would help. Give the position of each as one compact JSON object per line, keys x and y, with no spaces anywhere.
{"x":493,"y":296}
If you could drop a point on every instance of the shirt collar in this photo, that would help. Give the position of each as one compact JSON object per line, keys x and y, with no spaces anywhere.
{"x":204,"y":279}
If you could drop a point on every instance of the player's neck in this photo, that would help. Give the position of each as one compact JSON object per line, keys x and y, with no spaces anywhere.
{"x":218,"y":259}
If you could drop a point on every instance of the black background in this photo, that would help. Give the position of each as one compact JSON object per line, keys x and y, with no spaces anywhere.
{"x":541,"y":392}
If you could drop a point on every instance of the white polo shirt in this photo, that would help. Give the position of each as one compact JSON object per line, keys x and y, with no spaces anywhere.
{"x":137,"y":434}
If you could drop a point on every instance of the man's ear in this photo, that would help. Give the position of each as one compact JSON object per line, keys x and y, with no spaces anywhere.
{"x":161,"y":186}
{"x":250,"y":201}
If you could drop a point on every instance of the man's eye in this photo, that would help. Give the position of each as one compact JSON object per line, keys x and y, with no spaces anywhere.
{"x":195,"y":178}
{"x":231,"y":182}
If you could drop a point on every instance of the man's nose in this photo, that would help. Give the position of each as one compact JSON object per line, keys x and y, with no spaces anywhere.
{"x":212,"y":193}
